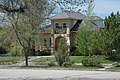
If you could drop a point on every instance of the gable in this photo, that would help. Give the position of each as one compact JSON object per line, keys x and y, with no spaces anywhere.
{"x":77,"y":24}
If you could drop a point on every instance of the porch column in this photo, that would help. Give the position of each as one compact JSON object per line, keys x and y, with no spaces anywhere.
{"x":68,"y":39}
{"x":52,"y":45}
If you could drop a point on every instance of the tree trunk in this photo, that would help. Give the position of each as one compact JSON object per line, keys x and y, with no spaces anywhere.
{"x":26,"y":57}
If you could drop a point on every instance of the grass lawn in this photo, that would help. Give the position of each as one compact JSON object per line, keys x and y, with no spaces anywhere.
{"x":44,"y":59}
{"x":9,"y":59}
{"x":58,"y":67}
{"x":103,"y":59}
{"x":76,"y":59}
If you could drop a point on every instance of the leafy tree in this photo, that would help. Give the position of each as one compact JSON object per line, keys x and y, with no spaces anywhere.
{"x":83,"y":41}
{"x":85,"y":33}
{"x":108,"y":40}
{"x":62,"y":54}
{"x":26,"y":18}
{"x":111,"y":34}
{"x":5,"y":38}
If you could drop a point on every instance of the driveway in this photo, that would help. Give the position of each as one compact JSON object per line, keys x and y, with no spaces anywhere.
{"x":41,"y":74}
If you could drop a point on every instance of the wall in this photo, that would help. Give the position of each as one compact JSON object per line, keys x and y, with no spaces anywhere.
{"x":73,"y":39}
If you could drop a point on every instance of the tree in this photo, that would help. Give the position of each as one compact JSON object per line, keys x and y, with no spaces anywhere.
{"x":27,"y":16}
{"x":83,"y":41}
{"x":62,"y":54}
{"x":63,"y":4}
{"x":3,"y":40}
{"x":71,"y":5}
{"x":111,"y":34}
{"x":28,"y":22}
{"x":85,"y":33}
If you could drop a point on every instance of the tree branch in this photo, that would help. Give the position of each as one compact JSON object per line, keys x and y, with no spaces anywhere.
{"x":8,"y":9}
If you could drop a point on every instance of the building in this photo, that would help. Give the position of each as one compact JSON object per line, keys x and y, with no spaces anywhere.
{"x":65,"y":24}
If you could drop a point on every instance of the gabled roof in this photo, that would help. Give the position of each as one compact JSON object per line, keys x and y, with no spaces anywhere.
{"x":97,"y":18}
{"x":69,"y":15}
{"x":77,"y":24}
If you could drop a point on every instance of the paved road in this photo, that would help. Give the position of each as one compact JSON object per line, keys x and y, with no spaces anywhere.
{"x":40,"y":74}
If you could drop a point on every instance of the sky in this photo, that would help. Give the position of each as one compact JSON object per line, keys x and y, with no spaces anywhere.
{"x":103,"y":7}
{"x":106,"y":7}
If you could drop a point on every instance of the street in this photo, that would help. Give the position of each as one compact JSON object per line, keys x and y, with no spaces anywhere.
{"x":41,"y":74}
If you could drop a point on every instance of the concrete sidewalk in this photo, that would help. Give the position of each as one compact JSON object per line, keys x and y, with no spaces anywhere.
{"x":41,"y":74}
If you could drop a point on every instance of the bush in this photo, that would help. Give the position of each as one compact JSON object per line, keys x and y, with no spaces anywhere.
{"x":51,"y":64}
{"x":3,"y":50}
{"x":91,"y":62}
{"x":45,"y":52}
{"x":15,"y":51}
{"x":62,"y":53}
{"x":97,"y":52}
{"x":75,"y":52}
{"x":69,"y":63}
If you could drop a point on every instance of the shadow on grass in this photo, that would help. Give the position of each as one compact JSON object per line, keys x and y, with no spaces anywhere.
{"x":116,"y":59}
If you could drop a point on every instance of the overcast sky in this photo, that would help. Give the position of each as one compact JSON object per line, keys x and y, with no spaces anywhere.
{"x":105,"y":7}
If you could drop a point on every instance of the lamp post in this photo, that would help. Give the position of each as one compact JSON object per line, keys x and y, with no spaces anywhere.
{"x":113,"y":52}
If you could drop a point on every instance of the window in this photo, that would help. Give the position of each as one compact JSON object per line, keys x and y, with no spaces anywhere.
{"x":56,"y":25}
{"x":64,"y":25}
{"x":50,"y":42}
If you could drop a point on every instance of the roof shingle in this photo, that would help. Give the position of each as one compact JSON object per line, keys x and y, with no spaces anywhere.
{"x":69,"y":15}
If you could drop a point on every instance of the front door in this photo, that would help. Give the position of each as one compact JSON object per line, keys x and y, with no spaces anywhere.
{"x":57,"y":40}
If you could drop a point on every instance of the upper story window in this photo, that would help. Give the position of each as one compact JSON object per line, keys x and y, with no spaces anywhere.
{"x":64,"y":25}
{"x":56,"y":25}
{"x":50,"y":42}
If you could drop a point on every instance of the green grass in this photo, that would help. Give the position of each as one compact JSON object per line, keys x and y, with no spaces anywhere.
{"x":9,"y":59}
{"x":44,"y":59}
{"x":104,"y":59}
{"x":58,"y":67}
{"x":75,"y":59}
